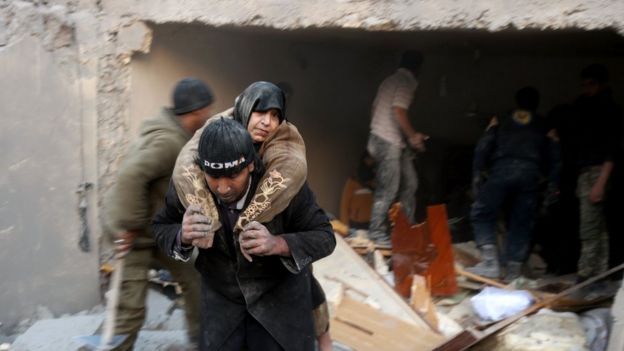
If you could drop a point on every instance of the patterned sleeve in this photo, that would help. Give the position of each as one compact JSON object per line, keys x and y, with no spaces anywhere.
{"x":284,"y":158}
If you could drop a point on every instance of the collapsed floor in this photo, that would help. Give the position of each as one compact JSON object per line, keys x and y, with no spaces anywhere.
{"x":404,"y":298}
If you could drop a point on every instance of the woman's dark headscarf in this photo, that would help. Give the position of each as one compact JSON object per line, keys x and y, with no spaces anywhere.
{"x":259,"y":96}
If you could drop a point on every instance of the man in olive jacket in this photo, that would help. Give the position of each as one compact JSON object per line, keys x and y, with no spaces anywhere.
{"x":139,"y":192}
{"x":256,"y":287}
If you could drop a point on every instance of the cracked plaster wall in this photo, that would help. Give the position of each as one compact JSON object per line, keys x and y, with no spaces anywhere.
{"x":46,"y":135}
{"x":397,"y":15}
{"x":62,"y":100}
{"x":80,"y":52}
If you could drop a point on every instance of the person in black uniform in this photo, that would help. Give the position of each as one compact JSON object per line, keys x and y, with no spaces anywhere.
{"x":514,"y":152}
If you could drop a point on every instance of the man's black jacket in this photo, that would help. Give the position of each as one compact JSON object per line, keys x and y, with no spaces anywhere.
{"x":276,"y":291}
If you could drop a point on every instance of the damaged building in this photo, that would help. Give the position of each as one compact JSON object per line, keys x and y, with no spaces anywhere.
{"x":79,"y":76}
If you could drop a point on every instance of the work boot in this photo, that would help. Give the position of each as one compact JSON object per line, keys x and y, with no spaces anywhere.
{"x":514,"y":271}
{"x":488,"y":267}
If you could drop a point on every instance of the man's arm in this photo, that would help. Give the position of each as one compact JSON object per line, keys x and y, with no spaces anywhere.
{"x":177,"y":230}
{"x":415,"y":139}
{"x":308,"y":234}
{"x":596,"y":194}
{"x":400,"y":115}
{"x":128,"y":206}
{"x":483,"y":154}
{"x":168,"y":222}
{"x":612,"y":132}
{"x":485,"y":148}
{"x":401,"y":101}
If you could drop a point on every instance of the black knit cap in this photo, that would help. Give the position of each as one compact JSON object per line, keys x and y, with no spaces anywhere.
{"x":225,"y":148}
{"x":191,"y":94}
{"x":259,"y":96}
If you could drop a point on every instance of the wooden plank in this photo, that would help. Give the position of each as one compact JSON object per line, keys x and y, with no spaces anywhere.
{"x":412,"y":249}
{"x":363,"y":328}
{"x":420,"y":300}
{"x":441,"y":272}
{"x":339,"y":227}
{"x":348,"y":266}
{"x":480,"y":279}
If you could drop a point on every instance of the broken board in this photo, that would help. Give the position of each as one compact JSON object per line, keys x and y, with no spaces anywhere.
{"x":344,"y":272}
{"x":442,"y":270}
{"x":347,"y":266}
{"x":364,"y":328}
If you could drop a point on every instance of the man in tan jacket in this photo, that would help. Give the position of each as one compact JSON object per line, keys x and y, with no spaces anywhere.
{"x":139,"y":192}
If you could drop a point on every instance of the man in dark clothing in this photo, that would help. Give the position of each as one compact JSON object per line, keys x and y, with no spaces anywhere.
{"x":265,"y":303}
{"x":514,"y":153}
{"x":597,"y":134}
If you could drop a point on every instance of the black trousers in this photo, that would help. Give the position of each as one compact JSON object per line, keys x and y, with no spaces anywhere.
{"x":251,"y":336}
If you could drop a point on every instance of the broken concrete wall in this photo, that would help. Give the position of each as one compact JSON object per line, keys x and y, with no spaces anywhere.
{"x":391,"y":15}
{"x":47,"y":101}
{"x":61,"y":103}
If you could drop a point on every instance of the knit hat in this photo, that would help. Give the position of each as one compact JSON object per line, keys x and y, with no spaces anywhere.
{"x":259,"y":96}
{"x":191,"y":94}
{"x":225,"y":148}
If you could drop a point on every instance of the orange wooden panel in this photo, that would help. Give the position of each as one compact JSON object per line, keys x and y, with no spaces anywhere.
{"x":441,"y":271}
{"x":412,"y":250}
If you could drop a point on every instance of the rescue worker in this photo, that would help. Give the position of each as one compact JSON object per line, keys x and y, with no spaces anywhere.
{"x":597,"y":131}
{"x":514,"y":153}
{"x":138,"y":193}
{"x":391,"y":143}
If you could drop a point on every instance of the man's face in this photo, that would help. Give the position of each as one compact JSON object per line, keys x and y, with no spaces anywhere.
{"x":200,"y":117}
{"x":591,"y":87}
{"x":262,"y":123}
{"x":230,"y":189}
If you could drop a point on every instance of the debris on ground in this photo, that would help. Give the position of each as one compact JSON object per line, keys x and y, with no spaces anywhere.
{"x":546,"y":330}
{"x":597,"y":323}
{"x":164,"y":328}
{"x":444,"y":295}
{"x":57,"y":334}
{"x":494,"y":304}
{"x":364,"y":328}
{"x":413,"y":296}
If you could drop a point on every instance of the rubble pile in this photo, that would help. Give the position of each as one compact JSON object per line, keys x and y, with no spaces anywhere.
{"x":436,"y":306}
{"x":544,"y":312}
{"x":164,"y":328}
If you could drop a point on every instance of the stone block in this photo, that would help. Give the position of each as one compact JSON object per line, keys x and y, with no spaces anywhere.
{"x":135,"y":37}
{"x":545,"y":330}
{"x":57,"y":334}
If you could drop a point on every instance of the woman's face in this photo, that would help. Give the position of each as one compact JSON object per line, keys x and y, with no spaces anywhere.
{"x":262,"y":124}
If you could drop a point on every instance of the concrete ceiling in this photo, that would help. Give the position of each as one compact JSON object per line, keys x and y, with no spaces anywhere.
{"x":511,"y":41}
